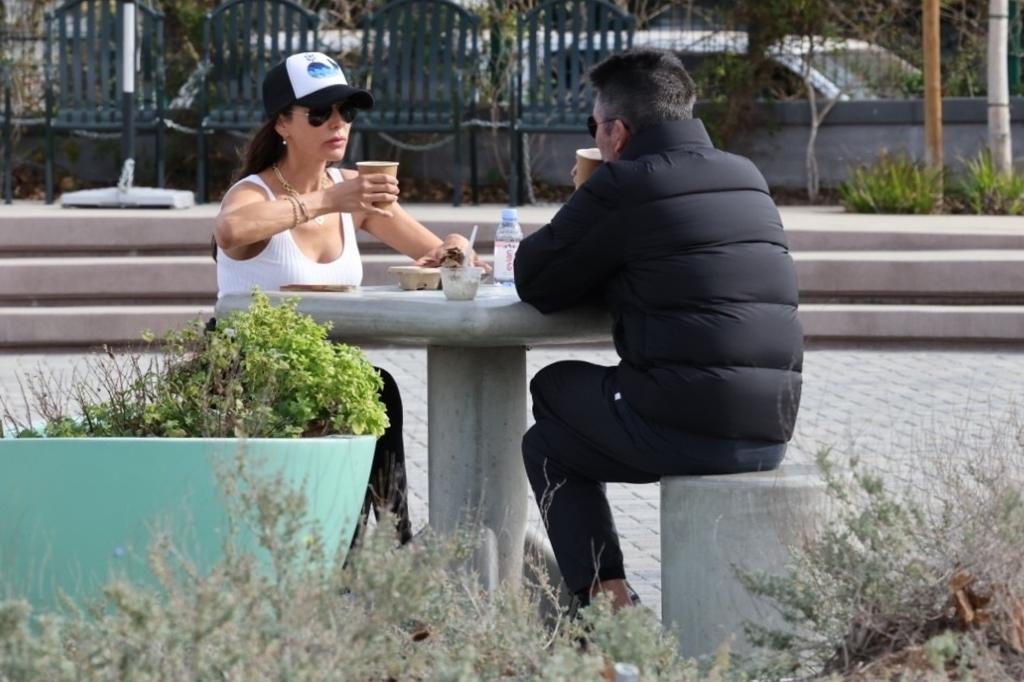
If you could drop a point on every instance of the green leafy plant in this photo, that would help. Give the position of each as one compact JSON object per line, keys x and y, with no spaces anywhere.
{"x":265,"y":372}
{"x":894,"y":184}
{"x":984,"y":190}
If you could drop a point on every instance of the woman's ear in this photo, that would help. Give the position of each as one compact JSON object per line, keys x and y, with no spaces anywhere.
{"x":281,"y":125}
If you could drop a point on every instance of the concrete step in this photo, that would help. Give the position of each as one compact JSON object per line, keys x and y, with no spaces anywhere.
{"x":808,"y":238}
{"x":133,"y":279}
{"x":976,"y":276}
{"x":122,"y":233}
{"x":28,"y":229}
{"x":913,"y":323}
{"x":35,"y":281}
{"x":84,"y":326}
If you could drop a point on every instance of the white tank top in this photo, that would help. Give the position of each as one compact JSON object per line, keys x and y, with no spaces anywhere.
{"x":281,"y":261}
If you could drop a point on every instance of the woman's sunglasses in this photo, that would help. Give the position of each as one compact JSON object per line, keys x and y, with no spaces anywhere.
{"x":317,"y":116}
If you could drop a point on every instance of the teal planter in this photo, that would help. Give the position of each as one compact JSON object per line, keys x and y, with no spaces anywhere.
{"x":74,"y":511}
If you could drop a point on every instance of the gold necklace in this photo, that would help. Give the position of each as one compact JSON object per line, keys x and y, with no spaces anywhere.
{"x":319,"y":220}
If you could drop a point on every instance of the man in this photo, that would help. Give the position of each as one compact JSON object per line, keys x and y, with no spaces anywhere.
{"x":685,"y":246}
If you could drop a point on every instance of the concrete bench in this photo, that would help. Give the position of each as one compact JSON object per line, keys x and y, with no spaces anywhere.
{"x":711,"y":525}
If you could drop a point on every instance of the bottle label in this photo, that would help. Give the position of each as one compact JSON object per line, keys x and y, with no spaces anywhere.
{"x":504,"y":258}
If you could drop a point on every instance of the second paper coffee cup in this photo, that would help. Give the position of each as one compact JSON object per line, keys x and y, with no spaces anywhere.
{"x":587,"y":161}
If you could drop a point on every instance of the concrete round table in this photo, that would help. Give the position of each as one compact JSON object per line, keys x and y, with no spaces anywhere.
{"x":476,"y":392}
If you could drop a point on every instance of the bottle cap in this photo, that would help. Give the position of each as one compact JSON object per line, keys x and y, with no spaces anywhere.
{"x":509,"y":214}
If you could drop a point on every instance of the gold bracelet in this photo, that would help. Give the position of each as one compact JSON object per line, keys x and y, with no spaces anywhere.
{"x":302,"y":207}
{"x":295,"y":211}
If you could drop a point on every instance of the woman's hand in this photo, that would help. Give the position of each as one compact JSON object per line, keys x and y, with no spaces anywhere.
{"x":358,"y":194}
{"x":432,"y":258}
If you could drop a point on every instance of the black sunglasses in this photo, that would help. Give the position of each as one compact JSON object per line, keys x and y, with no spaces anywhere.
{"x":317,"y":116}
{"x":592,"y":124}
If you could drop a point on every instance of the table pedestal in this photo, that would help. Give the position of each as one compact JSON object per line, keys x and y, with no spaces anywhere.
{"x":476,"y":419}
{"x":476,"y":363}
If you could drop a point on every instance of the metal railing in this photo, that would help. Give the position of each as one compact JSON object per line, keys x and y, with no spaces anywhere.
{"x":848,"y":67}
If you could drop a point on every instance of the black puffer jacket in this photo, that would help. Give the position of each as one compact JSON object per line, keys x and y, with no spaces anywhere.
{"x":686,"y":247}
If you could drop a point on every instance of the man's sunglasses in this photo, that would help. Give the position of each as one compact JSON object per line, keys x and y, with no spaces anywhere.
{"x":317,"y":116}
{"x":592,"y":124}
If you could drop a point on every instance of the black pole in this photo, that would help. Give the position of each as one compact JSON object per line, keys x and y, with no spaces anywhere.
{"x":128,"y":80}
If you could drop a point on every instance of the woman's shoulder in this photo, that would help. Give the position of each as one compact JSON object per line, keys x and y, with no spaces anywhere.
{"x":247,"y":190}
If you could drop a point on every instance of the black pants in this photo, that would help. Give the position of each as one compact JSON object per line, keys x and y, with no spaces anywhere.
{"x":388,"y":489}
{"x":585,"y":436}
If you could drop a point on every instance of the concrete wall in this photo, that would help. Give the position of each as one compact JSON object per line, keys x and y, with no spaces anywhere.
{"x":855,"y":132}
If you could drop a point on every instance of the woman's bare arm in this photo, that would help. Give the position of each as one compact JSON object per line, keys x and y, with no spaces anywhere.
{"x":405,"y":234}
{"x":247,"y":220}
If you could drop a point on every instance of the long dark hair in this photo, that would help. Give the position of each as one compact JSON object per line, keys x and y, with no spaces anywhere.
{"x":264,"y":149}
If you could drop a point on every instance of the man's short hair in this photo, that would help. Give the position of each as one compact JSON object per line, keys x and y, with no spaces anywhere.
{"x":644,"y":87}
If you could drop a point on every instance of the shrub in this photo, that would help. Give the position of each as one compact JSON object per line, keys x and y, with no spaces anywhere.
{"x":893,"y":185}
{"x":265,"y":372}
{"x":921,"y":582}
{"x":984,"y":190}
{"x":389,"y":614}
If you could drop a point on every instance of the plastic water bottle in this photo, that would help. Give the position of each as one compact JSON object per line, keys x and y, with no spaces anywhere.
{"x":506,"y":243}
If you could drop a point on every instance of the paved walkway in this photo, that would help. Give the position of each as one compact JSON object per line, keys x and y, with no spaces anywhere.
{"x":900,"y":410}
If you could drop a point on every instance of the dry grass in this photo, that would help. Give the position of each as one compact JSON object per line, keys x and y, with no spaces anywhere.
{"x":386,"y":613}
{"x":919,"y":575}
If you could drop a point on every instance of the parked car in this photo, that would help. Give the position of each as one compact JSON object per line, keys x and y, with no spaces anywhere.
{"x":842,"y":68}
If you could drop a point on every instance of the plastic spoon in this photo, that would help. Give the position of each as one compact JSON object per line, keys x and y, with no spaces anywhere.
{"x":469,"y":247}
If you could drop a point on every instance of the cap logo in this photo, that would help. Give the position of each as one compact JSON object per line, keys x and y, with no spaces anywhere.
{"x":321,"y":70}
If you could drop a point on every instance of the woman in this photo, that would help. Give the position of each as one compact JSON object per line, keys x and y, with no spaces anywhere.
{"x":292,"y":219}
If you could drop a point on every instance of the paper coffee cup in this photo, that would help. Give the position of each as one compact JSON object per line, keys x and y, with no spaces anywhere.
{"x":587,"y":161}
{"x":374,"y":167}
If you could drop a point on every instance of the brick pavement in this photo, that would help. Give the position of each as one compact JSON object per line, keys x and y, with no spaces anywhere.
{"x":897,"y":408}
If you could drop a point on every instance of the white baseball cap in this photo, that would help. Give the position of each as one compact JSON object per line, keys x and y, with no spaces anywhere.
{"x":311,"y":79}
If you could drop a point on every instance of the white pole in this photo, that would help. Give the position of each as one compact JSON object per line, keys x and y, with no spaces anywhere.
{"x":128,"y":48}
{"x":128,"y":80}
{"x":999,"y":85}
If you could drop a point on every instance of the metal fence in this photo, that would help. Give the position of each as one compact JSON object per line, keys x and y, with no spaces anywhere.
{"x":699,"y":31}
{"x":851,"y":67}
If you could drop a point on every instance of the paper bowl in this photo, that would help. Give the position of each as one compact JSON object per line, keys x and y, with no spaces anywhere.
{"x":415,"y":278}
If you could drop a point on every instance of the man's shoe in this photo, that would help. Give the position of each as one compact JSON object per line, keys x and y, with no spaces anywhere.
{"x":578,"y":602}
